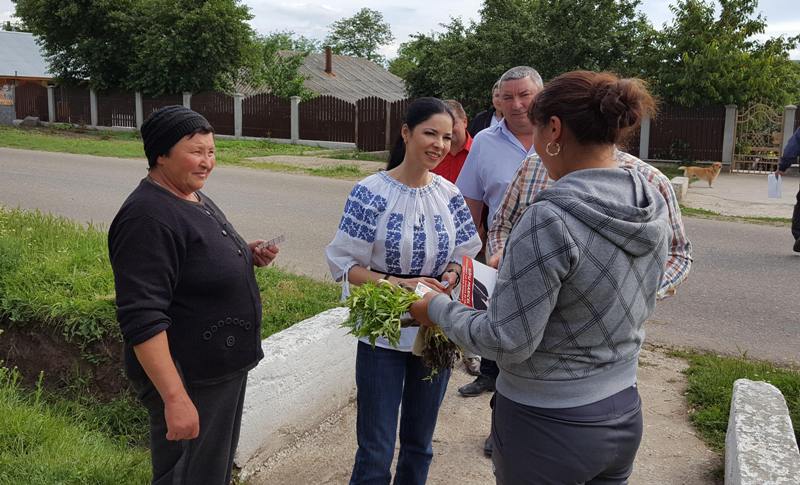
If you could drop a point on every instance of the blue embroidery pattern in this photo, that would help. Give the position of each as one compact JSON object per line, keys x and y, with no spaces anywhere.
{"x":418,"y":251}
{"x":393,"y":235}
{"x":443,"y":242}
{"x":361,"y":213}
{"x":465,"y":228}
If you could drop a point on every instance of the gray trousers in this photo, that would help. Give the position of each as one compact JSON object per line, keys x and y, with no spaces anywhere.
{"x":542,"y":447}
{"x":207,"y":459}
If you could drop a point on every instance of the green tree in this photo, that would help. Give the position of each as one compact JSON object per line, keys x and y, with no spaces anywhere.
{"x":154,"y":46}
{"x":704,"y":58}
{"x":360,"y":35}
{"x":553,"y":36}
{"x":279,"y":57}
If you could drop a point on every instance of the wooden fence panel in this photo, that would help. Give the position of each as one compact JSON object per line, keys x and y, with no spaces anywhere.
{"x":217,"y":108}
{"x":266,"y":115}
{"x":72,"y":105}
{"x":371,"y":124}
{"x":397,"y":114}
{"x":116,"y":108}
{"x":680,"y":133}
{"x":328,"y":119}
{"x":31,"y":100}
{"x":151,"y":104}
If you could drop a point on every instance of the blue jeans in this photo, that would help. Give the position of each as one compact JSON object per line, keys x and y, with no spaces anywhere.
{"x":389,"y":381}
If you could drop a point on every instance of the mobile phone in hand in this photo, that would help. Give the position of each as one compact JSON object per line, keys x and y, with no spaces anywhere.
{"x":272,"y":242}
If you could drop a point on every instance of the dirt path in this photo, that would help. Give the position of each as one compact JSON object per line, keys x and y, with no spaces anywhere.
{"x":670,"y":453}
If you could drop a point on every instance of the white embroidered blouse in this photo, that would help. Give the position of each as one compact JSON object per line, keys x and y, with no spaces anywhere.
{"x":392,"y":228}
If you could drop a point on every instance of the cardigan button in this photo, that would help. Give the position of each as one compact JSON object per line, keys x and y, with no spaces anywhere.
{"x":207,"y":335}
{"x":230,"y":341}
{"x":225,"y":233}
{"x":239,"y":252}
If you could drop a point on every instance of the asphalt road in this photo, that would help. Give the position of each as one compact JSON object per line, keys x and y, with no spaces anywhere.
{"x":741,"y":296}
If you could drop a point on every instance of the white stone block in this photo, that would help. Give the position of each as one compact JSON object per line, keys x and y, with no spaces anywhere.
{"x":680,"y":185}
{"x":760,"y":447}
{"x":307,"y":374}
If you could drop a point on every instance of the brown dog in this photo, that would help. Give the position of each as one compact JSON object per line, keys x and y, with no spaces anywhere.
{"x":708,"y":174}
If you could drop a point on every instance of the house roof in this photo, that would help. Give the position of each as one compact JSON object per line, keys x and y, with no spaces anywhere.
{"x":21,"y":56}
{"x":352,"y":78}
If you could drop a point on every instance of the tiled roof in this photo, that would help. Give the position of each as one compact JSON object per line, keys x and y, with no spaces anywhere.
{"x":21,"y":56}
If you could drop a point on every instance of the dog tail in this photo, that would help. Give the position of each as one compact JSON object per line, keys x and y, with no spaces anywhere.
{"x":684,"y":170}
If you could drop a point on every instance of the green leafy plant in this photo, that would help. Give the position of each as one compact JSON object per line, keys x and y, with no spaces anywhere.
{"x":439,"y":351}
{"x":375,"y":310}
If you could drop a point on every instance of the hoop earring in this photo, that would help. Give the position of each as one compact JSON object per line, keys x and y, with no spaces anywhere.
{"x":558,"y":148}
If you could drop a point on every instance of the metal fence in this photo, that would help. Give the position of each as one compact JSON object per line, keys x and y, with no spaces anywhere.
{"x":116,"y":108}
{"x":72,"y":105}
{"x":31,"y":100}
{"x":327,"y":118}
{"x":680,"y":133}
{"x":373,"y":124}
{"x":266,"y":115}
{"x":217,"y":109}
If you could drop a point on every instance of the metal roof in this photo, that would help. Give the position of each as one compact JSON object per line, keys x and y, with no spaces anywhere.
{"x":21,"y":56}
{"x":352,"y":78}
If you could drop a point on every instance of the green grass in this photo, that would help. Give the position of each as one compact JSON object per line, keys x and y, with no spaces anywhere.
{"x":39,"y":444}
{"x":56,"y":273}
{"x":710,"y":388}
{"x":707,"y":214}
{"x":129,"y":144}
{"x":353,"y":155}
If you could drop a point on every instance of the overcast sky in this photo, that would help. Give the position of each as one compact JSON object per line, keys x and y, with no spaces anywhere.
{"x":312,"y":18}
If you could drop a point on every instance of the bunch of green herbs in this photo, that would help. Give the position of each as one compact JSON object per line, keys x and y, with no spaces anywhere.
{"x":375,"y":310}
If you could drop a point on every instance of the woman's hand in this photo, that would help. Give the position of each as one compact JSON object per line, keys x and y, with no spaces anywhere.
{"x":419,"y":310}
{"x":262,"y":256}
{"x":183,"y":422}
{"x":411,"y":283}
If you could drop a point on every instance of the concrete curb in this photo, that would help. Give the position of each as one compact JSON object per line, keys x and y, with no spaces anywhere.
{"x":306,"y":375}
{"x":760,"y":446}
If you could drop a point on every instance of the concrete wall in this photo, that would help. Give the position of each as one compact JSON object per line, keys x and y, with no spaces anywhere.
{"x":760,"y":447}
{"x":307,"y":374}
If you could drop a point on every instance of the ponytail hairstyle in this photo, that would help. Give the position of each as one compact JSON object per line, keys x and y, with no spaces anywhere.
{"x":419,"y":111}
{"x":597,"y":107}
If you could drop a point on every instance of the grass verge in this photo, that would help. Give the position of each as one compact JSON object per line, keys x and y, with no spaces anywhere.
{"x":710,"y":389}
{"x":56,"y":273}
{"x":129,"y":145}
{"x":39,"y":444}
{"x":707,"y":214}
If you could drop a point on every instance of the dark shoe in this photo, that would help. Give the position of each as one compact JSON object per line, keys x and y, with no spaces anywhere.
{"x":477,"y":387}
{"x":797,"y":245}
{"x":488,"y":447}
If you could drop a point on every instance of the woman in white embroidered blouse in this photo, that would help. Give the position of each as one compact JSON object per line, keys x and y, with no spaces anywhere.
{"x":405,"y":225}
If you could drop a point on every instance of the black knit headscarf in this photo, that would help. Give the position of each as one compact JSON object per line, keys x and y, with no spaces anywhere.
{"x":165,"y":127}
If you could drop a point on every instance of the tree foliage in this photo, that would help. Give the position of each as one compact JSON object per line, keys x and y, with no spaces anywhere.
{"x":708,"y":58}
{"x":279,"y":57}
{"x":360,"y":35}
{"x":698,"y":58}
{"x":154,"y":46}
{"x":553,"y":36}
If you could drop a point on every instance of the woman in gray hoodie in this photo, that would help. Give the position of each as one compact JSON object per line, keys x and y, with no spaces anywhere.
{"x":577,"y":281}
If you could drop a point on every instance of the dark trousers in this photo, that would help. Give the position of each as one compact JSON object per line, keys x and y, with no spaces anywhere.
{"x":796,"y":219}
{"x":392,"y":383}
{"x":538,"y":447}
{"x":489,"y":368}
{"x":207,"y":459}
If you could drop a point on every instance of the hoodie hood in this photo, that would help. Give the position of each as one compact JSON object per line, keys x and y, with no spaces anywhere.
{"x":617,"y":203}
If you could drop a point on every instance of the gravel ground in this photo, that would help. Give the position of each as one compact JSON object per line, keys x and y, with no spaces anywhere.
{"x":670,"y":452}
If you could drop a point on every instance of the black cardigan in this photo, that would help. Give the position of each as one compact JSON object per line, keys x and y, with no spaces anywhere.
{"x":180,"y":266}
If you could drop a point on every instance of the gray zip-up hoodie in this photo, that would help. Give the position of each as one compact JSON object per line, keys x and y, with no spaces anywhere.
{"x":577,"y":281}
